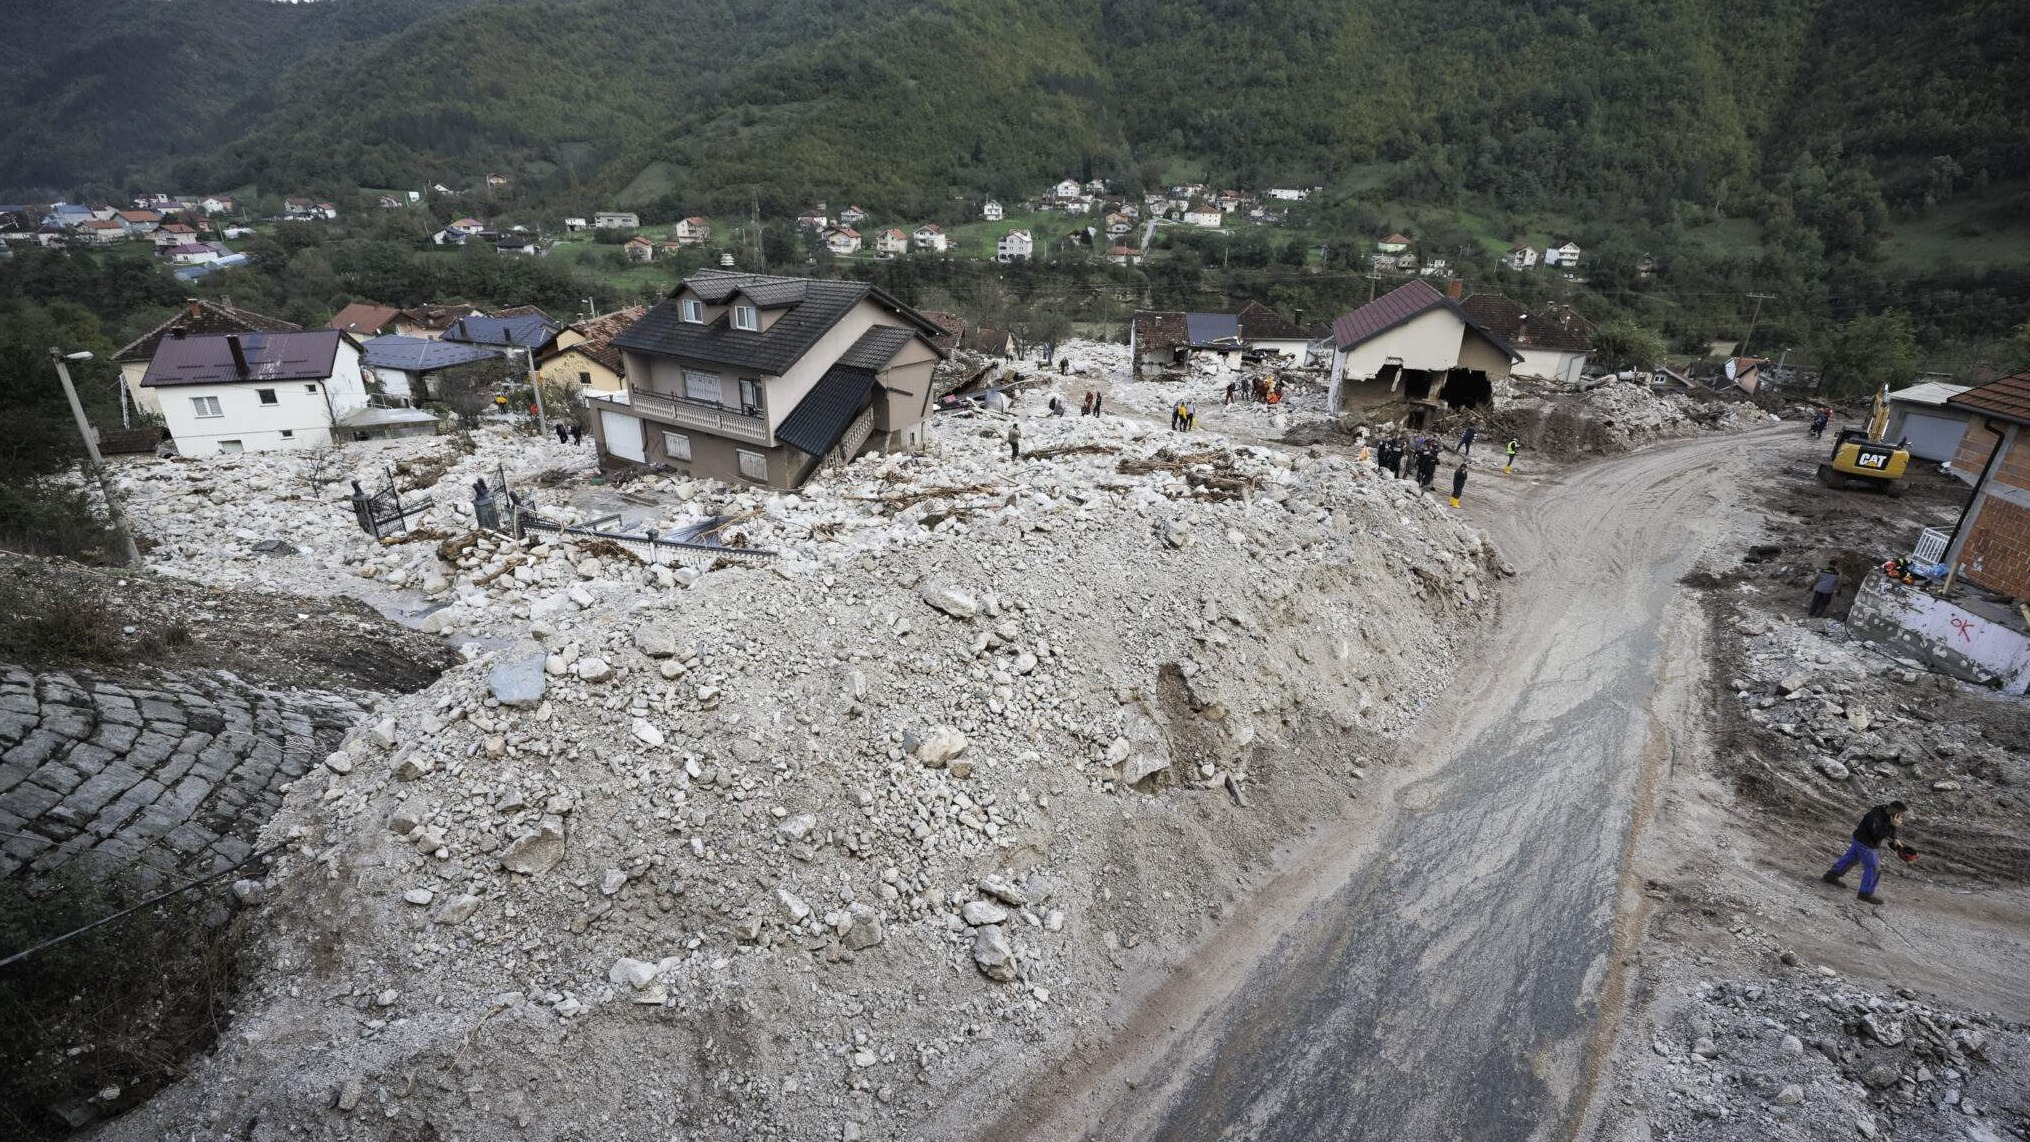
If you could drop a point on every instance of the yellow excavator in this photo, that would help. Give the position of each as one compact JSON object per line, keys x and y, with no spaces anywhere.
{"x":1862,"y":456}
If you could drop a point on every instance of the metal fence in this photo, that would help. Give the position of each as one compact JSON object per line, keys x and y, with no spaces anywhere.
{"x":384,"y":513}
{"x":500,"y":509}
{"x":1931,"y":545}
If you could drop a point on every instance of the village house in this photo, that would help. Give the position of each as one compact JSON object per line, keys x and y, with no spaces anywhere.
{"x":891,"y":242}
{"x":1288,"y":194}
{"x":992,"y":211}
{"x":1417,"y":345}
{"x":990,"y":342}
{"x":754,"y":379}
{"x":692,"y":232}
{"x":1013,"y":245}
{"x":388,"y":202}
{"x":814,"y":221}
{"x":1436,"y":268}
{"x":583,"y":356}
{"x":1553,"y":343}
{"x":1069,"y":188}
{"x":1990,"y":545}
{"x":137,"y":223}
{"x":1746,"y":372}
{"x":929,"y":236}
{"x":305,"y":209}
{"x":364,"y":319}
{"x":256,"y":392}
{"x":639,"y":249}
{"x":401,"y":371}
{"x":575,"y":225}
{"x":1520,"y":257}
{"x":1119,"y":226}
{"x":842,"y":240}
{"x":431,"y":320}
{"x":520,"y":244}
{"x":1124,"y":256}
{"x":616,"y":220}
{"x":1564,"y":254}
{"x":1075,"y":206}
{"x":951,"y":327}
{"x":196,"y":318}
{"x":1203,"y":214}
{"x":172,"y":234}
{"x":217,"y":204}
{"x":523,"y":328}
{"x":1921,"y":420}
{"x":852,"y":216}
{"x":496,"y":180}
{"x":101,"y":231}
{"x":1393,"y":244}
{"x":1169,"y":340}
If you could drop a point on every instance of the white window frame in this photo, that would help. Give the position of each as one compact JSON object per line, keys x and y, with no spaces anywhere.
{"x":693,"y":310}
{"x":676,"y":446}
{"x":267,"y":397}
{"x":752,"y":396}
{"x":753,"y":465}
{"x":198,"y":406}
{"x":694,"y":379}
{"x":747,"y":317}
{"x":232,"y":447}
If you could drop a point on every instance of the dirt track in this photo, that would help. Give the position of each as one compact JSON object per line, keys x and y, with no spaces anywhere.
{"x":1450,"y":986}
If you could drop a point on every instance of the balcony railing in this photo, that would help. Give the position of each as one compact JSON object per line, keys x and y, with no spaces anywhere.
{"x":1931,"y":545}
{"x":712,"y":418}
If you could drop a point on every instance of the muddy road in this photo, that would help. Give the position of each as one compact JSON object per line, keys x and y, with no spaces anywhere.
{"x":1450,"y":984}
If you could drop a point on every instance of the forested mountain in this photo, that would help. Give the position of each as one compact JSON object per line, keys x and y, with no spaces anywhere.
{"x":1582,"y":104}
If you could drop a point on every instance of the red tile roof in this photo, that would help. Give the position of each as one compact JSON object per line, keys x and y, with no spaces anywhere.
{"x":363,"y":318}
{"x":600,"y":331}
{"x":2006,"y":399}
{"x":1409,"y":300}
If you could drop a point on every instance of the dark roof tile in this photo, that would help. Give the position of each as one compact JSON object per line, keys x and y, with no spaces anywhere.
{"x":1558,"y":328}
{"x":821,"y":417}
{"x":200,"y":318}
{"x":814,"y":306}
{"x":877,"y":347}
{"x":422,"y":354}
{"x":300,"y":356}
{"x":1410,"y":300}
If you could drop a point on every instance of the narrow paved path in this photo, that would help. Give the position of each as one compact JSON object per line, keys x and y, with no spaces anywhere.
{"x":1450,"y":987}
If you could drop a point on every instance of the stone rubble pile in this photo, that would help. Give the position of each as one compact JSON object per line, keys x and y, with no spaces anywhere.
{"x":1804,"y":1054}
{"x":787,"y":844}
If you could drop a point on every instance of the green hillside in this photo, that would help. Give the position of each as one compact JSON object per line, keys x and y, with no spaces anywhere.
{"x":1855,"y":107}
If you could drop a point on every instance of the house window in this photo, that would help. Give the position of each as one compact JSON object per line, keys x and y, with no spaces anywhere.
{"x":309,"y":388}
{"x":585,"y":379}
{"x":677,"y":446}
{"x":694,"y":311}
{"x":745,"y":317}
{"x":232,"y":447}
{"x":750,"y":396}
{"x":206,"y":406}
{"x":700,"y":385}
{"x":288,"y":434}
{"x":753,"y":465}
{"x":267,"y":396}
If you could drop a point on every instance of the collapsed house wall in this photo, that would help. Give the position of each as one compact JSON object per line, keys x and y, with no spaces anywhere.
{"x":1951,"y":638}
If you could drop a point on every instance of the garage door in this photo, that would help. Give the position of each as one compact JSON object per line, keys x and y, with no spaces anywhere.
{"x":623,"y":435}
{"x":1932,"y":437}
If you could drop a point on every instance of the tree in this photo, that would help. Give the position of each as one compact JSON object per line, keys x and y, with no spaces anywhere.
{"x":2013,"y":353}
{"x":1625,"y":345}
{"x":1858,"y":356}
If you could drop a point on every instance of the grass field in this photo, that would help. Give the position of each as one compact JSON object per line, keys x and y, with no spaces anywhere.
{"x":1978,"y":231}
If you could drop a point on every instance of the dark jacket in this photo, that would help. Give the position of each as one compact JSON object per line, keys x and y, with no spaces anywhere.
{"x":1875,"y":828}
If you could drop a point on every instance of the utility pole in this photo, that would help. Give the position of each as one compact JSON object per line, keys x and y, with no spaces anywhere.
{"x":1759,"y":299}
{"x":98,"y":466}
{"x":1372,"y":277}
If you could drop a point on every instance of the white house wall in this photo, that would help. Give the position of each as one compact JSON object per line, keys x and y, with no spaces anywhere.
{"x":1550,"y":364}
{"x":259,"y":427}
{"x":1431,"y":340}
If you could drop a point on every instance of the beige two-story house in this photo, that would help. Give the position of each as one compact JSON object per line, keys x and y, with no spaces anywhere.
{"x":757,"y":379}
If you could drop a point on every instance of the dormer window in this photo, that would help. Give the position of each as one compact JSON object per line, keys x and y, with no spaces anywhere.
{"x":694,"y":311}
{"x":746,"y":317}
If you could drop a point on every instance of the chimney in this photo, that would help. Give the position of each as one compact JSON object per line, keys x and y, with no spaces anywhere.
{"x":239,"y":354}
{"x":1455,"y":289}
{"x":194,"y":306}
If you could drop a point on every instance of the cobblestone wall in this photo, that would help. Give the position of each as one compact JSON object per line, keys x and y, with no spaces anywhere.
{"x":177,"y":773}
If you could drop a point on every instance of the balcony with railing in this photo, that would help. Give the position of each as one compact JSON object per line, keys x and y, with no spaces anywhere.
{"x":683,"y":412}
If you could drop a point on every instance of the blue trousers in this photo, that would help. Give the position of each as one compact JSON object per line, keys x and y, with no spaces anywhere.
{"x":1871,"y":864}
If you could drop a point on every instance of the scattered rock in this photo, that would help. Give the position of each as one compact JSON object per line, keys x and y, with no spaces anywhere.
{"x":993,"y":954}
{"x":942,"y":744}
{"x":535,"y":853}
{"x":951,"y":599}
{"x":517,"y":677}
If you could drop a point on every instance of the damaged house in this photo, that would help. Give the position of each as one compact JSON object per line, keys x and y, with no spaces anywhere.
{"x":1168,"y":340}
{"x":1553,"y":343}
{"x":758,"y":379}
{"x":1414,"y":344}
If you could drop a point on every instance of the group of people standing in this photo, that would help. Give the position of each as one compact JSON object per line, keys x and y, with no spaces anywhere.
{"x":569,"y":435}
{"x":1416,"y":457}
{"x":1183,"y":416}
{"x":1262,"y":390}
{"x":1091,"y":407}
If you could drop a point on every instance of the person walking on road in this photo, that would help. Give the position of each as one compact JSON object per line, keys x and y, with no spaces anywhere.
{"x":1427,"y":465}
{"x":1098,"y":398}
{"x":1232,"y":387}
{"x":1459,"y":480}
{"x":1177,"y":417}
{"x":1514,"y":446}
{"x":1466,"y":441}
{"x":577,"y":433}
{"x":1877,"y":827}
{"x":1015,"y":440}
{"x":1823,"y":589}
